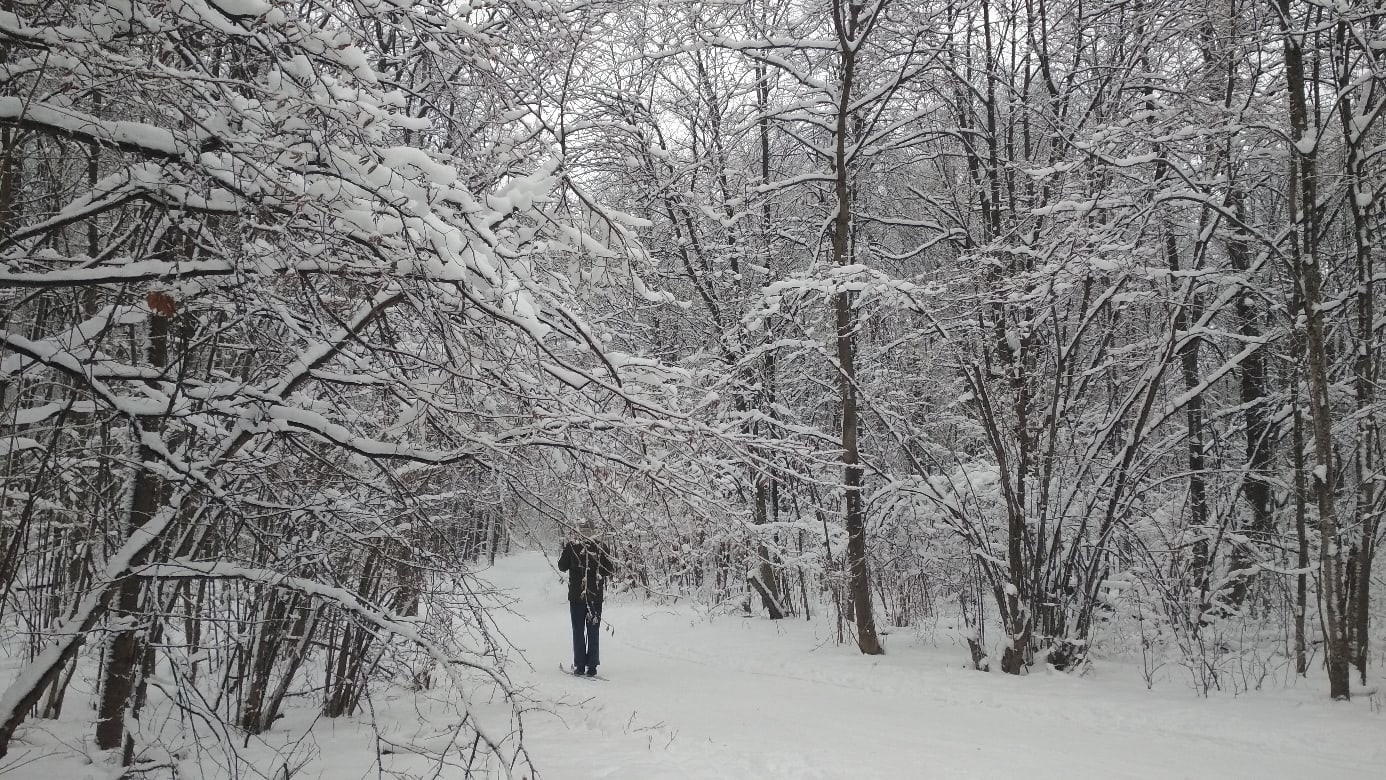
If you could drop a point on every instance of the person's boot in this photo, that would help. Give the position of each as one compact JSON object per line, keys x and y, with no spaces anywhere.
{"x":591,"y":671}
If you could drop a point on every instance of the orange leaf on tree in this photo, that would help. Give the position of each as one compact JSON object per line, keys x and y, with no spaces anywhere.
{"x":161,"y":304}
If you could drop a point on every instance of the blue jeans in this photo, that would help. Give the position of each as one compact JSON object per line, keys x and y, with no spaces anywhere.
{"x":587,"y":633}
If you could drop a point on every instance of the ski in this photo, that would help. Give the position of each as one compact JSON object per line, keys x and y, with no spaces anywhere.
{"x":568,"y":670}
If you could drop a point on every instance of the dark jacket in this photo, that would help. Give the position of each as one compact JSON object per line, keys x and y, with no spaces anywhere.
{"x":588,"y":565}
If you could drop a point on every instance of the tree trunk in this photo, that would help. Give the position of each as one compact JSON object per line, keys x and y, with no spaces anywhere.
{"x":1364,"y":366}
{"x":846,"y":19}
{"x":1301,"y":494}
{"x":1256,"y":415}
{"x":764,"y":581}
{"x":125,"y":655}
{"x":1303,"y":206}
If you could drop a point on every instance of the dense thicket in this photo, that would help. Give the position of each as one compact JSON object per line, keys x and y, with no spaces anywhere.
{"x":1053,"y":315}
{"x":292,"y":294}
{"x":1083,"y":292}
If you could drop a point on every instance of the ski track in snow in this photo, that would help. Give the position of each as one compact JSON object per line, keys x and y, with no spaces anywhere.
{"x":736,"y":697}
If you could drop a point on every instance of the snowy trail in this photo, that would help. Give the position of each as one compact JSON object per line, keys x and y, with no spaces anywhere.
{"x":734,"y":697}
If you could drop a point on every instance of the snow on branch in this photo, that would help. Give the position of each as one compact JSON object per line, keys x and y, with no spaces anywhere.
{"x":137,"y":137}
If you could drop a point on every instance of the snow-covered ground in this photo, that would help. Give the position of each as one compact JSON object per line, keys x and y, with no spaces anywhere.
{"x":735,"y":697}
{"x":693,"y":696}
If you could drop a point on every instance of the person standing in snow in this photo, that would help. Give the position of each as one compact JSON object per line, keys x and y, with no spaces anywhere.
{"x":588,"y":564}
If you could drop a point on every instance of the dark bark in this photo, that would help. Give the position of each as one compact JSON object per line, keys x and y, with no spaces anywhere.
{"x":1357,"y":594}
{"x":125,"y":656}
{"x":302,"y":634}
{"x":1306,"y":261}
{"x":1259,"y":446}
{"x":848,"y":24}
{"x":765,"y":582}
{"x":1301,"y":493}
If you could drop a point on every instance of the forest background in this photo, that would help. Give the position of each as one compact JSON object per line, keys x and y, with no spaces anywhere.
{"x":1055,"y":317}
